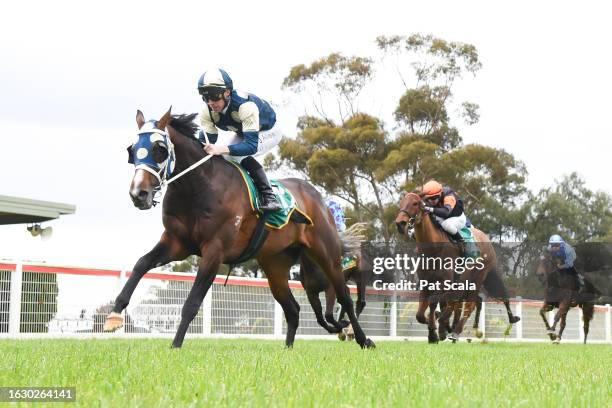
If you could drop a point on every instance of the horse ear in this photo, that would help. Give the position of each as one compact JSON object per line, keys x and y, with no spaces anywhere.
{"x":140,"y":120}
{"x":165,"y":120}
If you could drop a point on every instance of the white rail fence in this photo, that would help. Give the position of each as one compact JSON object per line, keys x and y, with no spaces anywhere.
{"x":45,"y":301}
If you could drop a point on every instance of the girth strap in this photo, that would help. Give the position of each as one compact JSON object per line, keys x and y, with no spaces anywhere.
{"x":260,"y":234}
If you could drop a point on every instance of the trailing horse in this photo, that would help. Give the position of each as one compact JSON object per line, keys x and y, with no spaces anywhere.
{"x":435,"y":243}
{"x":207,"y":212}
{"x":562,"y":293}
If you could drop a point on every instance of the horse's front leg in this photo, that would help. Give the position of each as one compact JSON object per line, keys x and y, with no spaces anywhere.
{"x":432,"y":337}
{"x":207,"y":270}
{"x":546,"y":307}
{"x":560,"y":317}
{"x":166,"y":250}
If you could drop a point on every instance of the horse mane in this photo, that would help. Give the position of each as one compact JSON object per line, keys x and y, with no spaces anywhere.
{"x":185,"y":125}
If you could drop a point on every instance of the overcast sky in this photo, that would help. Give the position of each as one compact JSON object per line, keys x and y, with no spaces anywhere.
{"x":73,"y":74}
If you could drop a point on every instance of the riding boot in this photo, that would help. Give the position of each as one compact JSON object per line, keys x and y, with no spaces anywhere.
{"x":268,"y":198}
{"x":462,"y":244}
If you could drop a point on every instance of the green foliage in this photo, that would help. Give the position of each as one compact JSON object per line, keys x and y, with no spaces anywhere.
{"x":570,"y":209}
{"x":334,"y":76}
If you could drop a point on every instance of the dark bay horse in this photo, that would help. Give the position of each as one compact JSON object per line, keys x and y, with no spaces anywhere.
{"x":435,"y":244}
{"x":562,"y":293}
{"x":207,"y":212}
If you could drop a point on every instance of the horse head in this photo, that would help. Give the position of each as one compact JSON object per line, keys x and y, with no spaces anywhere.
{"x":545,"y":267}
{"x":410,"y":212}
{"x":152,"y":154}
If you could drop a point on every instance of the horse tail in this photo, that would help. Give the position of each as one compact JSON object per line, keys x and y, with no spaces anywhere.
{"x":494,"y":285}
{"x":352,"y":238}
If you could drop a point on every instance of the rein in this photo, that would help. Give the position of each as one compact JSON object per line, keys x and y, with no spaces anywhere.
{"x":163,"y":182}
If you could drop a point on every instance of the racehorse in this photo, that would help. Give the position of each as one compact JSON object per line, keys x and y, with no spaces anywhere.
{"x":207,"y":212}
{"x":435,"y":244}
{"x":562,"y":293}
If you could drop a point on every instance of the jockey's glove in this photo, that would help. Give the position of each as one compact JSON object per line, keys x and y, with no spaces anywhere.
{"x":428,"y":209}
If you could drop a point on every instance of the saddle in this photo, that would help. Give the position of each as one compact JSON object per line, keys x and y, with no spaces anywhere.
{"x":276,"y":219}
{"x":468,"y":246}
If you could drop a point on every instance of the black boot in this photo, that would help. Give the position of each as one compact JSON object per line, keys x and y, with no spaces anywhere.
{"x":268,"y":198}
{"x":457,"y":237}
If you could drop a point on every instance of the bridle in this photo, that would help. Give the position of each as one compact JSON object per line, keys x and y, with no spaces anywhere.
{"x":164,"y":168}
{"x":412,"y":219}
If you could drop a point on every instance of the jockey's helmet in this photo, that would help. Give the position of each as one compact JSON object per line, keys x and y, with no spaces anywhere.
{"x":555,"y":239}
{"x":432,"y":189}
{"x":213,"y":83}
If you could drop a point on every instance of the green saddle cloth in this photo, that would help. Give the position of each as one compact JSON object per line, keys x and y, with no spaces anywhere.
{"x":471,"y":247}
{"x":277,"y":219}
{"x":349,"y":262}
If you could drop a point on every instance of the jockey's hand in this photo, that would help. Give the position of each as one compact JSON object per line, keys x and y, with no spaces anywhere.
{"x":428,"y":209}
{"x":215,"y":150}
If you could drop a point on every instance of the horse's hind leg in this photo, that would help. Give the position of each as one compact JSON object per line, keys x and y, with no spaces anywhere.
{"x":477,"y":331}
{"x":329,"y":260}
{"x":315,"y":303}
{"x":330,"y":303}
{"x":277,"y":268}
{"x":587,"y":314}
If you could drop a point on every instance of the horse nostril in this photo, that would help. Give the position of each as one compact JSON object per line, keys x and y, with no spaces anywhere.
{"x":400,"y":226}
{"x":142,"y":195}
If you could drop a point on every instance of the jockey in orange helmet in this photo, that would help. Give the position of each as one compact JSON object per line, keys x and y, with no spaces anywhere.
{"x":446,"y":205}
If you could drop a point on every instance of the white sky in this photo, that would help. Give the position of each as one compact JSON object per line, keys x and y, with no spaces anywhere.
{"x":72,"y":76}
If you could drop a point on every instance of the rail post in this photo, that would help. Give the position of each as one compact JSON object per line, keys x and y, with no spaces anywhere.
{"x":15,"y":299}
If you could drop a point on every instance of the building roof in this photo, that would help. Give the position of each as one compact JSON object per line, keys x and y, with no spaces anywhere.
{"x":17,"y":210}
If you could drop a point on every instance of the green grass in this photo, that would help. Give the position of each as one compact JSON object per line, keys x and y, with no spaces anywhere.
{"x":147,"y":373}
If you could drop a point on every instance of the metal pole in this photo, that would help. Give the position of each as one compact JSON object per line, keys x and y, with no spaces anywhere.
{"x":15,"y":299}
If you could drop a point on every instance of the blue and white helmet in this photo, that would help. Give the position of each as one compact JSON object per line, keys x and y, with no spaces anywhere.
{"x":556,"y":239}
{"x":216,"y":79}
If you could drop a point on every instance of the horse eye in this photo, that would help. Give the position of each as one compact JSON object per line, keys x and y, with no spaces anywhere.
{"x":159,"y":152}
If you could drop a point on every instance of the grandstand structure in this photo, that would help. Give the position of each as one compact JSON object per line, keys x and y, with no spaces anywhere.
{"x":43,"y":301}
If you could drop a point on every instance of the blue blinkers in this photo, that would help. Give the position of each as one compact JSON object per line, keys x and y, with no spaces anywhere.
{"x":153,"y":151}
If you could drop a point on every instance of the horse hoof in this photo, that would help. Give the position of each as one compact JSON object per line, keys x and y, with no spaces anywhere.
{"x":175,"y":346}
{"x":468,"y":340}
{"x":453,"y":337}
{"x":344,"y":323}
{"x":342,"y":336}
{"x":478,"y":333}
{"x":556,"y":341}
{"x":114,"y":321}
{"x":552,"y":336}
{"x":515,"y":319}
{"x":368,"y":344}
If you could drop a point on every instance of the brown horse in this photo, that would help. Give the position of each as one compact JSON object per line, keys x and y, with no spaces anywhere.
{"x":562,"y":293}
{"x":434,"y":243}
{"x":207,"y":212}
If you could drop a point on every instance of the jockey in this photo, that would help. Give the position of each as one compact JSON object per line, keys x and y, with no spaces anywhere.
{"x":337,"y":212}
{"x":446,"y":205}
{"x":251,"y":119}
{"x":564,"y":257}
